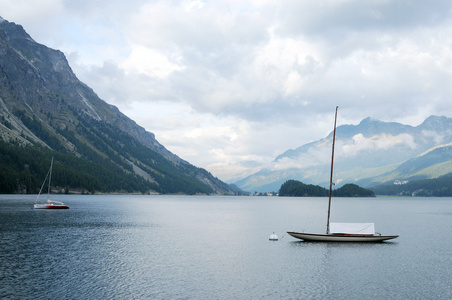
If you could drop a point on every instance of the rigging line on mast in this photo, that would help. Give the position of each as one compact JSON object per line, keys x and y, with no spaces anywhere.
{"x":50,"y":179}
{"x":42,"y":186}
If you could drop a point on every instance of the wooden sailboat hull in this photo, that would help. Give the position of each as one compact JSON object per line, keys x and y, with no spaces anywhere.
{"x":314,"y":237}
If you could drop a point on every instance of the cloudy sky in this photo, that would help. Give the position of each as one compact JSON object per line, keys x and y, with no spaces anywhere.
{"x":229,"y":85}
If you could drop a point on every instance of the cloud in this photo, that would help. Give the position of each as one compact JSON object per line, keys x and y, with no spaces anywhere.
{"x":359,"y":143}
{"x":150,"y":62}
{"x":438,"y":139}
{"x":229,"y":65}
{"x":320,"y":153}
{"x":315,"y":156}
{"x":22,"y":11}
{"x":332,"y":20}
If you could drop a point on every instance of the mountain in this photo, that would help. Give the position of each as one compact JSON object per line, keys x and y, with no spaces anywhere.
{"x":46,"y":111}
{"x":370,"y":153}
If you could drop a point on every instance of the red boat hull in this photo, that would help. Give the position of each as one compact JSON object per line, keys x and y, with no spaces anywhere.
{"x":57,"y":207}
{"x":50,"y":206}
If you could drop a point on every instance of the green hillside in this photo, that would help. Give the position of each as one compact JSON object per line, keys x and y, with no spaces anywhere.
{"x":294,"y":188}
{"x":438,"y":187}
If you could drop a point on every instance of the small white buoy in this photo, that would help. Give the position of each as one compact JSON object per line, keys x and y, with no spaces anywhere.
{"x":273,"y":237}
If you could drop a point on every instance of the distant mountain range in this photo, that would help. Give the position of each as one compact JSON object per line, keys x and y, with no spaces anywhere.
{"x":46,"y":111}
{"x":368,"y":154}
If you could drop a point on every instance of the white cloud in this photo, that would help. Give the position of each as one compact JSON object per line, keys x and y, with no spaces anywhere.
{"x":314,"y":157}
{"x":150,"y":62}
{"x":359,"y":143}
{"x":431,"y":135}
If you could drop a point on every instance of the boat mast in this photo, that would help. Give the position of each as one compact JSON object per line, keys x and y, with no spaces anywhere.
{"x":50,"y":179}
{"x":331,"y":176}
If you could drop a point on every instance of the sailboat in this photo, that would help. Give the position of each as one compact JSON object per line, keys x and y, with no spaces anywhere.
{"x":342,"y":232}
{"x":50,"y":204}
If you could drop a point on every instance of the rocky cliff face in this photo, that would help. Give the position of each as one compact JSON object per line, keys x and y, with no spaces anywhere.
{"x":43,"y":102}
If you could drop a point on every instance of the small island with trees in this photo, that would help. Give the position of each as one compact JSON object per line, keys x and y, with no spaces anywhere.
{"x":295,"y":188}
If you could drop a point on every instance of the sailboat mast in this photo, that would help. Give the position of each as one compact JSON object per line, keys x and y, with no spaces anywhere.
{"x":50,"y":179}
{"x":331,"y":175}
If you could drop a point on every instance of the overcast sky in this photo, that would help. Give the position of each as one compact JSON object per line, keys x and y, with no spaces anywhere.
{"x":229,"y":85}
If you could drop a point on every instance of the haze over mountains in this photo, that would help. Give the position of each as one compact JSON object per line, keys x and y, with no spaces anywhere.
{"x":368,"y":154}
{"x":46,"y":111}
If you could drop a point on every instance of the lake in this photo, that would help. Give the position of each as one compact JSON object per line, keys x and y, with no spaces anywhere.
{"x":203,"y":247}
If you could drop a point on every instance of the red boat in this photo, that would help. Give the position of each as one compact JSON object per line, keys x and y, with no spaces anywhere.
{"x":50,"y":204}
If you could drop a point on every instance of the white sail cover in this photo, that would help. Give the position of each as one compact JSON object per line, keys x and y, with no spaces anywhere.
{"x":352,"y":228}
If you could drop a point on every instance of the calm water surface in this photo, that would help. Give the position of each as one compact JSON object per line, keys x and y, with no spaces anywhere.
{"x":188,"y":247}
